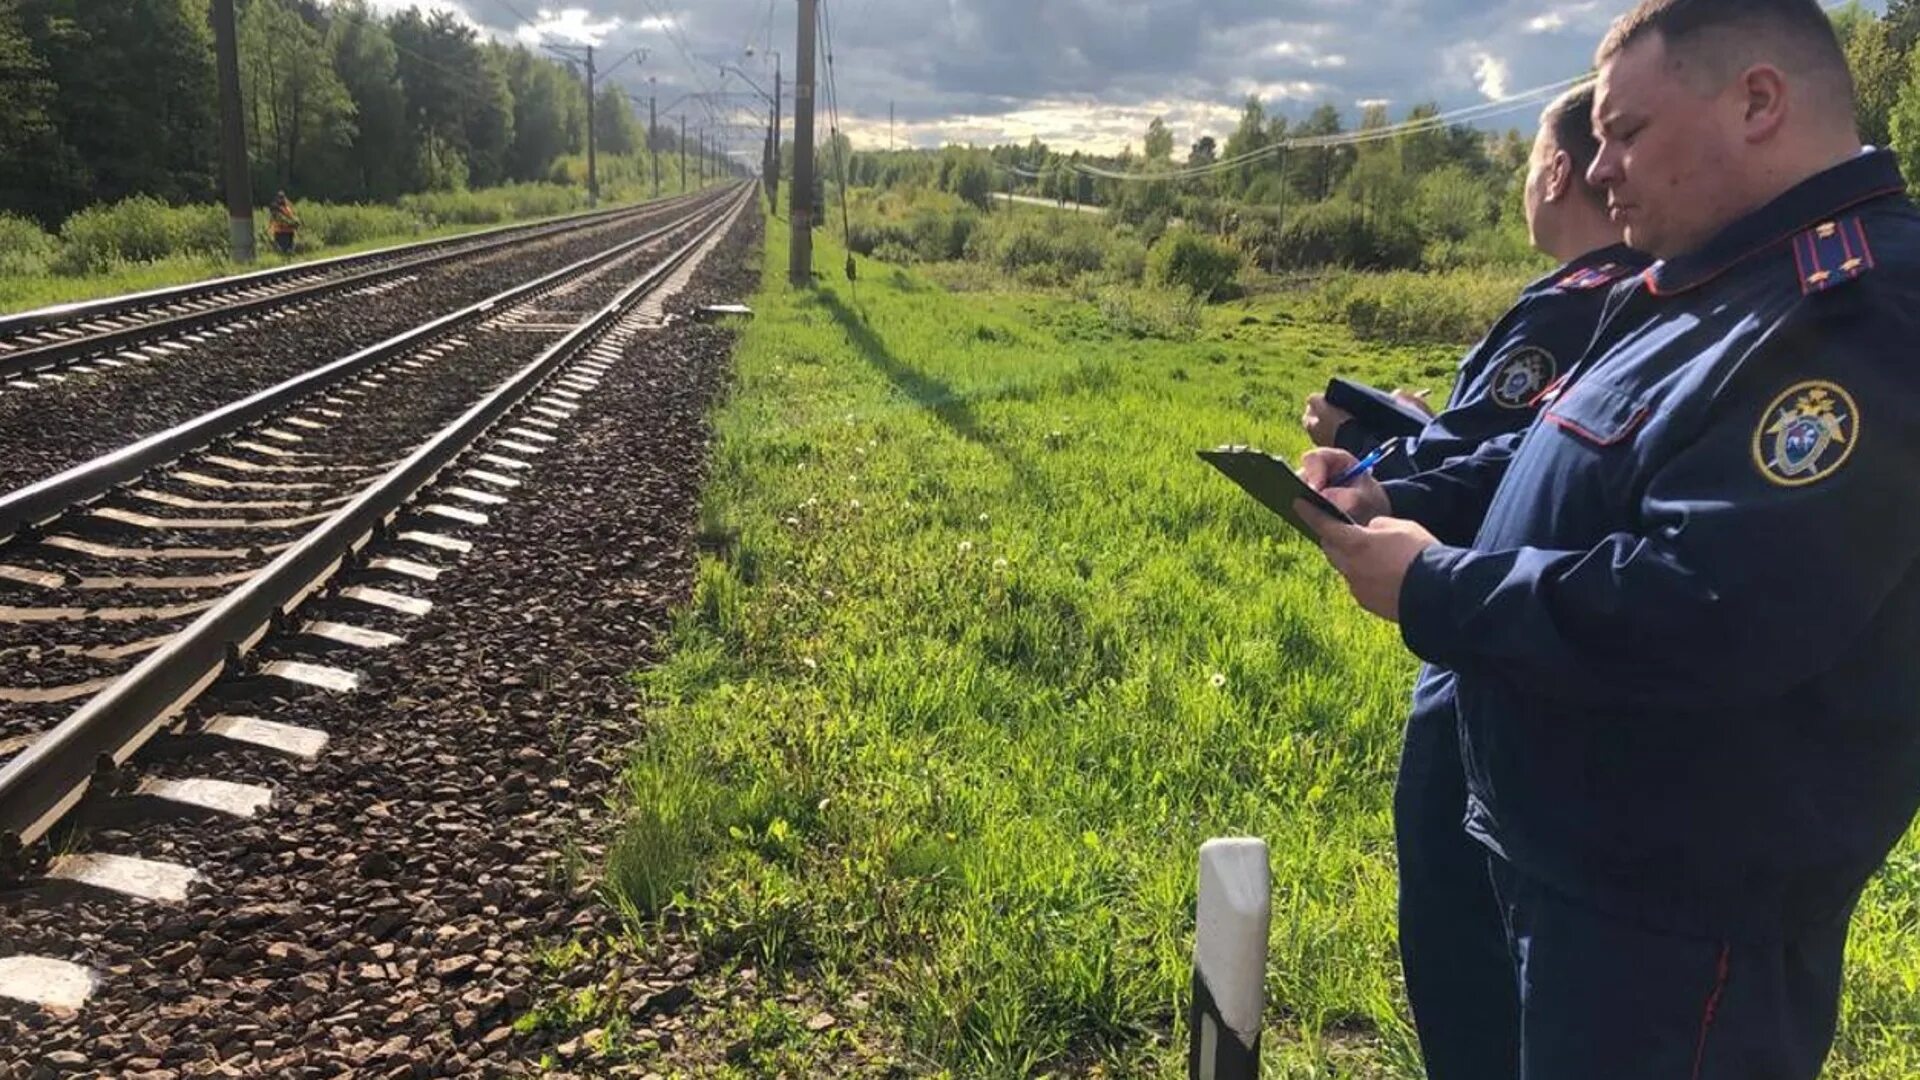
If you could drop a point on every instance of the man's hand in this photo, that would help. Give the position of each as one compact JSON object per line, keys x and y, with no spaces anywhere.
{"x":1373,"y":558}
{"x":1415,"y":398}
{"x":1363,"y":500}
{"x":1322,"y":420}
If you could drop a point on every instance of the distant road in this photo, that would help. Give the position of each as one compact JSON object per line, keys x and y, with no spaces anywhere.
{"x":1029,"y":200}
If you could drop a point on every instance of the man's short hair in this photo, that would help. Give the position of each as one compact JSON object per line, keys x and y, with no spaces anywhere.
{"x":1570,"y":119}
{"x":1721,"y":38}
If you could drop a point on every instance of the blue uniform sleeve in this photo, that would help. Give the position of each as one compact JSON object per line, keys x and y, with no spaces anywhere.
{"x":1752,"y":559}
{"x":1355,"y":438}
{"x":1502,"y":380}
{"x":1452,"y":500}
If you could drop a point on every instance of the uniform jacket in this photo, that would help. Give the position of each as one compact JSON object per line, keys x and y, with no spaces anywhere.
{"x":1682,"y":610}
{"x":1501,"y":379}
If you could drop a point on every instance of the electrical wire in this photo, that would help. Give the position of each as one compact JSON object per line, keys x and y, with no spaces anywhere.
{"x":839,"y":158}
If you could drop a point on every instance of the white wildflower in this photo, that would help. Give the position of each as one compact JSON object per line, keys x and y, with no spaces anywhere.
{"x":966,"y":546}
{"x":1000,"y":564}
{"x":853,"y":503}
{"x":1219,"y":680}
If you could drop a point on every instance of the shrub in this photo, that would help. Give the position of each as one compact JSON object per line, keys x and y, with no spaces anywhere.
{"x":326,"y":225}
{"x":25,"y":248}
{"x":1200,"y":264}
{"x":1126,"y":260}
{"x":1341,"y":233}
{"x":131,"y":230}
{"x":1141,"y":313}
{"x":1451,"y":308}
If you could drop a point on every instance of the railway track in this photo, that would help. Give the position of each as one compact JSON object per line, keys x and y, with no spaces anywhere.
{"x":42,"y":347}
{"x":289,"y":524}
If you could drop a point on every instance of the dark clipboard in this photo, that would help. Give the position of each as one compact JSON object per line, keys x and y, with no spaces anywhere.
{"x":1273,"y":482}
{"x":1378,"y":411}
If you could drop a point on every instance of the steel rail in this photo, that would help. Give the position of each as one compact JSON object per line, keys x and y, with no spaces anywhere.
{"x":379,"y":265}
{"x":49,"y":777}
{"x":47,"y":499}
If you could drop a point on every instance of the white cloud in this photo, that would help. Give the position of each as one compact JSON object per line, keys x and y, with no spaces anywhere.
{"x":573,"y":25}
{"x":1308,"y":55}
{"x":1490,"y":74}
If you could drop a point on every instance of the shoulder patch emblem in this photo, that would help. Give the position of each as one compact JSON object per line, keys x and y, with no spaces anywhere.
{"x":1519,"y":380}
{"x":1592,"y":277}
{"x":1806,"y":434}
{"x":1831,"y":253}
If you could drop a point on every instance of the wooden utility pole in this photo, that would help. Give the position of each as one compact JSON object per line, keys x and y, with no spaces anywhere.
{"x":683,"y":154}
{"x":653,"y":140}
{"x":800,"y":262}
{"x":233,"y":135}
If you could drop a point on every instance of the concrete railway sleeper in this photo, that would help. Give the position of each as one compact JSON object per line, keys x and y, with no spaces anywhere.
{"x":395,"y":527}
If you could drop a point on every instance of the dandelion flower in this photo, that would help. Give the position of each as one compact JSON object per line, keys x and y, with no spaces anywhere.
{"x":966,"y":546}
{"x":983,"y":518}
{"x":1219,"y":680}
{"x":794,"y":521}
{"x":854,"y":503}
{"x":999,"y":564}
{"x":808,"y":661}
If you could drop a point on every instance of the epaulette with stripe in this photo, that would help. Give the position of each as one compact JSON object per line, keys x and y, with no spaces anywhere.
{"x":1594,"y":277}
{"x":1832,"y":253}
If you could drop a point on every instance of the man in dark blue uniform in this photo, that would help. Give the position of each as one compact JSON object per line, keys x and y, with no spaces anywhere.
{"x":1682,"y":608}
{"x":1452,"y":943}
{"x":1500,"y":379}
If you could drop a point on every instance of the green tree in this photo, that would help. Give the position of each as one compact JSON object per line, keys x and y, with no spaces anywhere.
{"x":1903,"y":24}
{"x":373,"y":161}
{"x":136,"y":96}
{"x":1904,"y":123}
{"x":549,"y":110}
{"x":1317,"y":172}
{"x":294,"y":100}
{"x":613,"y":128}
{"x":1159,"y":142}
{"x":1204,"y":152}
{"x":36,"y":164}
{"x":1249,"y":137}
{"x":1878,"y":73}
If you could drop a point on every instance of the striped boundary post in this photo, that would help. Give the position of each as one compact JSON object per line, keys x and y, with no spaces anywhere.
{"x":1229,"y":960}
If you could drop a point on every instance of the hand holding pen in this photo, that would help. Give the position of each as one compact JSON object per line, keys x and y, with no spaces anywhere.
{"x":1366,"y":464}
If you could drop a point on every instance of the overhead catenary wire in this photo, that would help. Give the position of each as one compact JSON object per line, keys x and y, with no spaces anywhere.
{"x":1539,"y":95}
{"x":833,"y":129}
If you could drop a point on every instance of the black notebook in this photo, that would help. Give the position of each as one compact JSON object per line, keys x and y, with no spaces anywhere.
{"x":1376,"y":410}
{"x":1273,"y":482}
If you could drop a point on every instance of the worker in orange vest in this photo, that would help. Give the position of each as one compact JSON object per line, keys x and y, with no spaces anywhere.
{"x":284,"y":224}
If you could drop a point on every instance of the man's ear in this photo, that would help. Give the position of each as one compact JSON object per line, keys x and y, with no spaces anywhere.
{"x":1559,"y":176}
{"x":1766,"y":93}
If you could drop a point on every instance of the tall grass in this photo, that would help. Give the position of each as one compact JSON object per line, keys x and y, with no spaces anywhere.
{"x":980,"y":653}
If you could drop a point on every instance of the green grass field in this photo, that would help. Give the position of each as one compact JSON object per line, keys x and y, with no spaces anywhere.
{"x":980,"y":653}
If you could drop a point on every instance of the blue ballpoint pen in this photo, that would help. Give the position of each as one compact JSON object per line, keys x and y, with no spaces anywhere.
{"x":1365,"y":465}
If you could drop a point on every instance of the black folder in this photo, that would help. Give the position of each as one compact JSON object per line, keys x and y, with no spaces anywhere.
{"x":1273,"y":482}
{"x":1376,"y":410}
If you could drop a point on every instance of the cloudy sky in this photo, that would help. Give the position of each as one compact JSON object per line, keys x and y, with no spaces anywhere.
{"x":1080,"y":74}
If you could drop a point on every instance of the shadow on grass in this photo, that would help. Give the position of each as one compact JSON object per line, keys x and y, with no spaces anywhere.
{"x":947,"y":405}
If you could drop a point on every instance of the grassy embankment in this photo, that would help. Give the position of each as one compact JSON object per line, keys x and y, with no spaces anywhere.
{"x":143,"y":244}
{"x":980,"y":654}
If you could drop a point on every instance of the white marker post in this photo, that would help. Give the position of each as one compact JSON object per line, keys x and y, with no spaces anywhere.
{"x":1229,"y":960}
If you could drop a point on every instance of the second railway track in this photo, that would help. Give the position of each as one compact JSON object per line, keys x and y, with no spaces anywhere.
{"x":80,"y":417}
{"x":37,"y":346}
{"x":132,"y":584}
